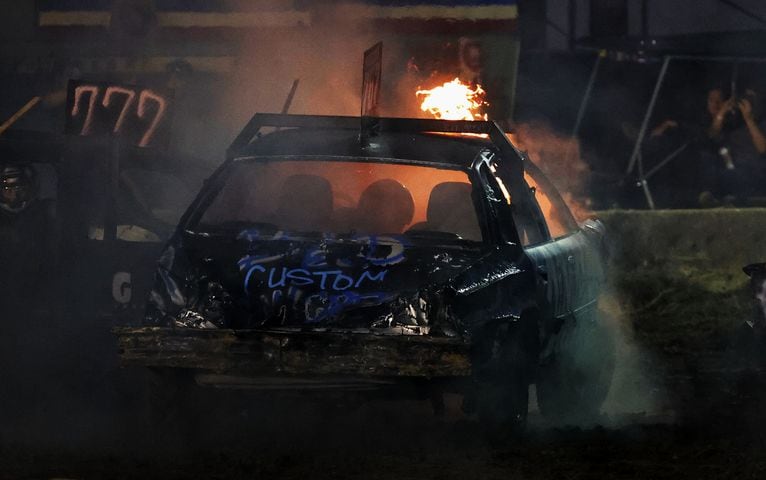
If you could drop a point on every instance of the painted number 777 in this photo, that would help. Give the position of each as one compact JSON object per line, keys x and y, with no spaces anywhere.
{"x":111,"y":96}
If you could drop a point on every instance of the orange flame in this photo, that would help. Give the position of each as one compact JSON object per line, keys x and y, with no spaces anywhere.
{"x":454,"y":100}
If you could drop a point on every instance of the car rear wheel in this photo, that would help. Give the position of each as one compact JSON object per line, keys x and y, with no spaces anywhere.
{"x":502,"y":390}
{"x":170,"y":405}
{"x":573,"y":386}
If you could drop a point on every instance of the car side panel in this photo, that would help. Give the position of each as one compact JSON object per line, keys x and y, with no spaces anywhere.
{"x":573,"y":269}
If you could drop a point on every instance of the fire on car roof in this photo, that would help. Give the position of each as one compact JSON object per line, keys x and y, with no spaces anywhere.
{"x":315,"y":234}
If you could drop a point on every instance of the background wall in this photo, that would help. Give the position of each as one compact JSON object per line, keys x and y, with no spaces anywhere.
{"x":665,"y":17}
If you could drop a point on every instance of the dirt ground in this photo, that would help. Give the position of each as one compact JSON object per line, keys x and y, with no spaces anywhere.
{"x":678,"y":410}
{"x":94,"y":431}
{"x":399,"y":440}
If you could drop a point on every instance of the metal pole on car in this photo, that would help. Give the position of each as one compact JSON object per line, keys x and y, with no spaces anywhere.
{"x":643,"y":178}
{"x":644,"y":184}
{"x":290,"y":96}
{"x":584,"y":104}
{"x":20,"y":113}
{"x":636,"y":155}
{"x":289,"y":99}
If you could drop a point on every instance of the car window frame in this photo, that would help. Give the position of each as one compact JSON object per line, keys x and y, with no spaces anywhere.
{"x":554,"y":197}
{"x":501,"y":226}
{"x":523,"y":203}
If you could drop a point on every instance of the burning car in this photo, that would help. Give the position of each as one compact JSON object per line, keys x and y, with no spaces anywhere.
{"x":428,"y":253}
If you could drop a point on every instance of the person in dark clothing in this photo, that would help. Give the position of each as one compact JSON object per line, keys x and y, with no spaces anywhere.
{"x":750,"y":338}
{"x":30,"y":338}
{"x":23,"y":233}
{"x":735,"y":156}
{"x":17,"y":188}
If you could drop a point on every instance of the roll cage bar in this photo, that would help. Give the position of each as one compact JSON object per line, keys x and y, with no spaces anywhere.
{"x":493,"y":131}
{"x":513,"y":159}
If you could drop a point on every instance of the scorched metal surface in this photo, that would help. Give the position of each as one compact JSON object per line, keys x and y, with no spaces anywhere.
{"x":419,"y":254}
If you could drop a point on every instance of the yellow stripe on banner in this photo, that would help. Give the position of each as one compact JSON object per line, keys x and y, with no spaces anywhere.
{"x":487,"y":12}
{"x":88,"y":65}
{"x":76,"y":18}
{"x":234,"y":20}
{"x":133,"y":65}
{"x":183,"y":19}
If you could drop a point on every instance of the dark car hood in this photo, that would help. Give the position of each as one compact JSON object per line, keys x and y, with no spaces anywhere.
{"x":284,"y":280}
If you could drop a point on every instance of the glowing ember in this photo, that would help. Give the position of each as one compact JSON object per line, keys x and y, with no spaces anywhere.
{"x":454,"y":100}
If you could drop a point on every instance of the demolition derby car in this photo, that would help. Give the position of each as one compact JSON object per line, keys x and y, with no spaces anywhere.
{"x":423,"y":252}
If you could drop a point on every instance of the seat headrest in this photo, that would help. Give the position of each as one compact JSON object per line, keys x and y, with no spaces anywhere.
{"x":451,"y":209}
{"x":385,"y":206}
{"x":447,"y":198}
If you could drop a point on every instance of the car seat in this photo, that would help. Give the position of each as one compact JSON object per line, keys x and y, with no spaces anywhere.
{"x":451,"y":209}
{"x":385,"y":206}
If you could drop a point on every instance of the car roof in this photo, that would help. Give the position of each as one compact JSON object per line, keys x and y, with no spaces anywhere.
{"x":457,"y":151}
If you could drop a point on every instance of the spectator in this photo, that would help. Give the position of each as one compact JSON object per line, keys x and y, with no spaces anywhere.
{"x":24,"y":233}
{"x":735,"y":156}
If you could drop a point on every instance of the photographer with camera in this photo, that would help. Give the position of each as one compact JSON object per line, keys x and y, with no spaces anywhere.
{"x":736,"y":135}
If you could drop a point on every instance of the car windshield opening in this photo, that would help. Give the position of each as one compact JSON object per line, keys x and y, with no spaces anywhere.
{"x":366,"y":198}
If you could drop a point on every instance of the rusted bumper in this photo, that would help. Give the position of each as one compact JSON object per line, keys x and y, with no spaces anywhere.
{"x":305,"y":354}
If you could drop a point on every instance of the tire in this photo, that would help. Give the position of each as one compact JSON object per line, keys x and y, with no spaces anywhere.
{"x":502,"y":388}
{"x":572,"y":387}
{"x":170,"y":406}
